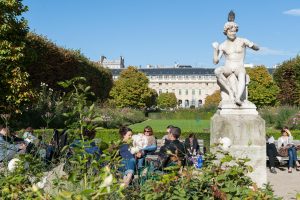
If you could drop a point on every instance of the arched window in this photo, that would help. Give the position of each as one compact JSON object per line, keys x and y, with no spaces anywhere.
{"x":186,"y":103}
{"x":180,"y":103}
{"x":199,"y":102}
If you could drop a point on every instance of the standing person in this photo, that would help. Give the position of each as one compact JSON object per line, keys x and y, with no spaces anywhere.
{"x":165,"y":138}
{"x":128,"y":157}
{"x":286,"y":142}
{"x":7,"y":150}
{"x":234,"y":50}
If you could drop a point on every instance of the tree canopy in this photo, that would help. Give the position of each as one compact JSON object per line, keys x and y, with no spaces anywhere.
{"x":13,"y":79}
{"x":213,"y":99}
{"x":166,"y":100}
{"x":262,"y":90}
{"x":287,"y":77}
{"x":131,"y":89}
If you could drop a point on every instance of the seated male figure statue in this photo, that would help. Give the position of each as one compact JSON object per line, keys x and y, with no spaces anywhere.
{"x":234,"y":50}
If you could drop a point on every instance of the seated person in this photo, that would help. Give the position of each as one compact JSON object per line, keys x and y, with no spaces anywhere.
{"x":285,"y":142}
{"x":165,"y":138}
{"x":146,"y":143}
{"x":28,"y":135}
{"x":7,"y":150}
{"x":174,"y":151}
{"x":127,"y":154}
{"x":90,"y":147}
{"x":272,"y":153}
{"x":191,"y":145}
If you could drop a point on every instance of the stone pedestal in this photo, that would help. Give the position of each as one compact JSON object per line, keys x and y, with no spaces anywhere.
{"x":247,"y":133}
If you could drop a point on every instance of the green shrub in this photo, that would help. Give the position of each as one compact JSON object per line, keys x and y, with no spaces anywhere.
{"x":278,"y":117}
{"x":115,"y":117}
{"x":222,"y":177}
{"x":199,"y":113}
{"x":284,"y":113}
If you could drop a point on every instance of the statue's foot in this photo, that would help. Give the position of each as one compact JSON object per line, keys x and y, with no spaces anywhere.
{"x":238,"y":102}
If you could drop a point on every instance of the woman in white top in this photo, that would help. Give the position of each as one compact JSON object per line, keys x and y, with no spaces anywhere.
{"x":286,"y":141}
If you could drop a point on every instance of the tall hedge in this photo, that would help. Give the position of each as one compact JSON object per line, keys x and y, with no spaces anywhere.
{"x":46,"y":62}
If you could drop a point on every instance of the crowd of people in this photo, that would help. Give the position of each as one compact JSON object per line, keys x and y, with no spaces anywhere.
{"x":135,"y":148}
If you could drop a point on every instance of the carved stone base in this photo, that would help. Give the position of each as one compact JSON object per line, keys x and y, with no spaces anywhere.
{"x":229,"y":107}
{"x":247,"y":133}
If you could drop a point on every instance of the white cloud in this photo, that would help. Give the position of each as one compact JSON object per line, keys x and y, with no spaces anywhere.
{"x":272,"y":52}
{"x":294,"y":12}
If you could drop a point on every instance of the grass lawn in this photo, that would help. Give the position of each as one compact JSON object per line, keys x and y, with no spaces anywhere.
{"x":159,"y":125}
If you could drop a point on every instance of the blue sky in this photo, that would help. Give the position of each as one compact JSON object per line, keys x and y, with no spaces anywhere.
{"x":162,"y":32}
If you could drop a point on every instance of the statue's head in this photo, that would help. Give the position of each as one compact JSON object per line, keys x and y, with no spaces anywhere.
{"x":230,"y":27}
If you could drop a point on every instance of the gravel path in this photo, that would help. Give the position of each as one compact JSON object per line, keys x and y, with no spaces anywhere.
{"x":285,"y":184}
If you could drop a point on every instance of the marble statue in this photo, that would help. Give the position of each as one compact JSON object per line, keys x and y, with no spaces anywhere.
{"x":232,"y":77}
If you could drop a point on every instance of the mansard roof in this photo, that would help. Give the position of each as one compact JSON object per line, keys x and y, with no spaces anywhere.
{"x":170,"y":71}
{"x":175,"y":71}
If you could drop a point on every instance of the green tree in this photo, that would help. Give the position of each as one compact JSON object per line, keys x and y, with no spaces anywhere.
{"x":167,"y":100}
{"x":262,"y":90}
{"x":13,"y":79}
{"x":213,"y":99}
{"x":131,"y":89}
{"x":287,"y":77}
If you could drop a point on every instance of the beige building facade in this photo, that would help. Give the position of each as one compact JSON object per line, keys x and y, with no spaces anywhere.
{"x":190,"y":85}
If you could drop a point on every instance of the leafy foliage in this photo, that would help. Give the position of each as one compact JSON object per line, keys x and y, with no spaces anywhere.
{"x":262,"y":89}
{"x":131,"y":90}
{"x":167,"y":100}
{"x":278,"y":117}
{"x":14,"y":83}
{"x":48,"y":63}
{"x":213,"y":100}
{"x":220,"y":178}
{"x":287,"y":77}
{"x":18,"y":184}
{"x":115,"y":117}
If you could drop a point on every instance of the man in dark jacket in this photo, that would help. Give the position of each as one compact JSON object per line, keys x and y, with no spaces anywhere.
{"x":174,"y":151}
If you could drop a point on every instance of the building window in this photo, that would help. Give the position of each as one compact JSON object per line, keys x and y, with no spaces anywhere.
{"x":173,"y":91}
{"x":199,"y":92}
{"x":167,"y":84}
{"x":193,"y":102}
{"x":180,"y":103}
{"x":159,"y":83}
{"x":179,"y":91}
{"x":193,"y":92}
{"x":186,"y":103}
{"x":186,"y":92}
{"x":199,"y":103}
{"x":167,"y":91}
{"x":159,"y":91}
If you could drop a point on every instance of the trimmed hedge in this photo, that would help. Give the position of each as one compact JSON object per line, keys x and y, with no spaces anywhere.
{"x":46,"y":62}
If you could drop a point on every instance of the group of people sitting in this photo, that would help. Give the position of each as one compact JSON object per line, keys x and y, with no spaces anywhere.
{"x":173,"y":152}
{"x":285,"y":148}
{"x":13,"y":144}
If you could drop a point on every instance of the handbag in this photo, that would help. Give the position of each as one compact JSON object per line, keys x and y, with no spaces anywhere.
{"x":283,"y":151}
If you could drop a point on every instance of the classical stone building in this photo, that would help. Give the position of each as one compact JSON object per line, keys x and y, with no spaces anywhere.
{"x":112,"y":64}
{"x":190,"y":85}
